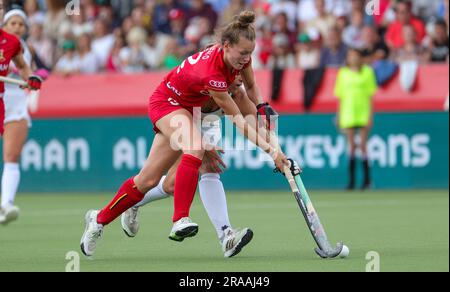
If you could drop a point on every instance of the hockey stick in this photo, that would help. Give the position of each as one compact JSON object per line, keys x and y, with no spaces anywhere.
{"x":13,"y":81}
{"x":324,"y":250}
{"x":33,"y":96}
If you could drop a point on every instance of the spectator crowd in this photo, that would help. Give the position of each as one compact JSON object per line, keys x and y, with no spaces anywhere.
{"x":132,"y":36}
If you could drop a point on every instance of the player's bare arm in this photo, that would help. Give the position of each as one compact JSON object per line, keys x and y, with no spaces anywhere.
{"x":34,"y":82}
{"x":225,"y":101}
{"x":24,"y":70}
{"x":264,"y":110}
{"x":252,"y":89}
{"x":249,"y":110}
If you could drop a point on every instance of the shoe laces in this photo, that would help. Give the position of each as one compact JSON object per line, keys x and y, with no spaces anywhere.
{"x":134,"y":213}
{"x":93,"y":237}
{"x":230,"y":232}
{"x":185,"y":220}
{"x":96,"y":234}
{"x":229,"y":239}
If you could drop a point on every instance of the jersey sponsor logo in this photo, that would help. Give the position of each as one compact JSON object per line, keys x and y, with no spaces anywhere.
{"x":218,"y":84}
{"x":4,"y":67}
{"x":176,"y":91}
{"x":173,"y":102}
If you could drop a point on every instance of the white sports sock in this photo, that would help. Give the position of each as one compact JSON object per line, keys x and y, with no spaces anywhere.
{"x":10,"y":183}
{"x":214,"y":200}
{"x":155,"y":194}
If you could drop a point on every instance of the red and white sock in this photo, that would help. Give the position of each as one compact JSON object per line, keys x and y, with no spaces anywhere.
{"x":127,"y":196}
{"x":185,"y":186}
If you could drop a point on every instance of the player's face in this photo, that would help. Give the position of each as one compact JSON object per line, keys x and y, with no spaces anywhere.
{"x":354,"y":59}
{"x":16,"y":26}
{"x":238,"y":55}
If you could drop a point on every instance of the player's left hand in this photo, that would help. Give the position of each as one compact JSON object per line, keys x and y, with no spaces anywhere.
{"x":295,"y":168}
{"x":34,"y":82}
{"x":268,"y":113}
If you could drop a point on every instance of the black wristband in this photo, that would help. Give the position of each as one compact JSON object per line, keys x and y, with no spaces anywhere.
{"x":259,"y":106}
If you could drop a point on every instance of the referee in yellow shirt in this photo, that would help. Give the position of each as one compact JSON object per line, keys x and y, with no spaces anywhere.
{"x":355,"y":87}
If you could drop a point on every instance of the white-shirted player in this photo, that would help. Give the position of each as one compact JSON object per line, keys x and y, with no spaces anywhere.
{"x":17,"y":122}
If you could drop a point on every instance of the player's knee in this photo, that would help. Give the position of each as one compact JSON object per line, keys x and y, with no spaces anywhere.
{"x":145,"y":184}
{"x":352,"y":149}
{"x":363,"y":147}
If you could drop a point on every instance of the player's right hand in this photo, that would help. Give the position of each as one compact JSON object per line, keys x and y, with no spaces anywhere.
{"x":281,"y":161}
{"x":212,"y":162}
{"x":294,"y":168}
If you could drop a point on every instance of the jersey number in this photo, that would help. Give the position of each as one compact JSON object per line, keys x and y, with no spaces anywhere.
{"x":191,"y":61}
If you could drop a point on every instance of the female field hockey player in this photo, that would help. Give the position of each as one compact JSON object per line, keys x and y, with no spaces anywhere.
{"x":14,"y":118}
{"x":203,"y":76}
{"x":211,"y":188}
{"x":355,"y":87}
